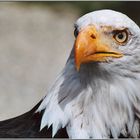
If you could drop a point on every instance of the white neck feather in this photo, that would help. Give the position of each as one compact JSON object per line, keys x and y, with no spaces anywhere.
{"x":93,"y":106}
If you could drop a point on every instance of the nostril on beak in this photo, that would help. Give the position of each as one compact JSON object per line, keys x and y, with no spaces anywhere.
{"x":93,"y":36}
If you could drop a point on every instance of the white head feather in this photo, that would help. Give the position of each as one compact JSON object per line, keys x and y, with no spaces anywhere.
{"x":109,"y":18}
{"x":102,"y":99}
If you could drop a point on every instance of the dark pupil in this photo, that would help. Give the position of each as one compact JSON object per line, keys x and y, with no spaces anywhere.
{"x":120,"y":36}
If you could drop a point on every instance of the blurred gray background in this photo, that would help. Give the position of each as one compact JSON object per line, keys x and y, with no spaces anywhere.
{"x":35,"y":41}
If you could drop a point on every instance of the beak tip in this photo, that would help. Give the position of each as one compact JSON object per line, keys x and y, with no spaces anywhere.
{"x":77,"y":66}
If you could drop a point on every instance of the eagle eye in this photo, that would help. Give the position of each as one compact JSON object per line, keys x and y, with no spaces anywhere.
{"x":121,"y":36}
{"x":76,"y":32}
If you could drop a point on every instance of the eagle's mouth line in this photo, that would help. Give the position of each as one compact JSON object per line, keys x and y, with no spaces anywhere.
{"x":106,"y":53}
{"x":96,"y":53}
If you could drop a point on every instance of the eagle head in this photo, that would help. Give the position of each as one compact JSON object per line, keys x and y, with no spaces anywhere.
{"x":105,"y":36}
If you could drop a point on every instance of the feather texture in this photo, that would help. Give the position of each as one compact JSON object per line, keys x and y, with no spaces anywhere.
{"x":102,"y":99}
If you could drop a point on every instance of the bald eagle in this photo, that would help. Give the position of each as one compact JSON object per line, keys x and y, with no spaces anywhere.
{"x":97,"y":94}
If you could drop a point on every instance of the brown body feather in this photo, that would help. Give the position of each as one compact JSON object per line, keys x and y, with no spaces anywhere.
{"x":28,"y":126}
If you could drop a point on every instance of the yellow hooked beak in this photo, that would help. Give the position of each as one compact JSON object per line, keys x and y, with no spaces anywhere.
{"x":89,"y":47}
